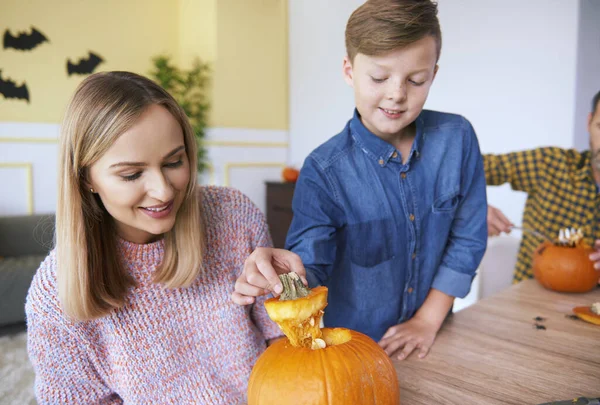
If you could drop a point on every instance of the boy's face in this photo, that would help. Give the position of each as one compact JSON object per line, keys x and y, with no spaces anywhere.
{"x":390,"y":90}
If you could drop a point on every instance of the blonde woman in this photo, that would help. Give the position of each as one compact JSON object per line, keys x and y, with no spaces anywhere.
{"x":132,"y":306}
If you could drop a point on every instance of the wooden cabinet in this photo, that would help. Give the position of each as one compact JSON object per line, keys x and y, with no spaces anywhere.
{"x":279,"y":210}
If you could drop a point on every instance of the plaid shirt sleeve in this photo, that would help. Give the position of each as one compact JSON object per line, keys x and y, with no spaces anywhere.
{"x":523,"y":170}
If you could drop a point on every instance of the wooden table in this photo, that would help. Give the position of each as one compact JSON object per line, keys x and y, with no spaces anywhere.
{"x":490,"y":353}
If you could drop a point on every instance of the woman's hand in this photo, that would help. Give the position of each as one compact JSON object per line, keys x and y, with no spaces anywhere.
{"x":261,"y":271}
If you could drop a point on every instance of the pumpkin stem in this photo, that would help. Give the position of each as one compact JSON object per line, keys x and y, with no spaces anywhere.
{"x":292,"y":287}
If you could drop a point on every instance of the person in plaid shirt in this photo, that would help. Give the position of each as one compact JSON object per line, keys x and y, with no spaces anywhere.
{"x":562,"y":187}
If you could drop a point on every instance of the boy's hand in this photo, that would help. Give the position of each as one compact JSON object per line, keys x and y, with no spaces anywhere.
{"x":420,"y":331}
{"x":414,"y":334}
{"x":497,"y":222}
{"x":260,"y":275}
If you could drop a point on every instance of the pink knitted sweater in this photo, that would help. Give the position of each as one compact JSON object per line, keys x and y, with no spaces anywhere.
{"x":165,"y":346}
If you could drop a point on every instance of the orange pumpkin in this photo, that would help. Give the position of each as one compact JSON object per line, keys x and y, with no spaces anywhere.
{"x":318,"y":366}
{"x":587,"y":315}
{"x":290,"y":175}
{"x":351,"y":369}
{"x":565,"y":268}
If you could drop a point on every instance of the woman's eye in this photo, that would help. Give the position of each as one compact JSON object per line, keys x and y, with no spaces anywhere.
{"x":132,"y":177}
{"x":175,"y":164}
{"x":376,"y":80}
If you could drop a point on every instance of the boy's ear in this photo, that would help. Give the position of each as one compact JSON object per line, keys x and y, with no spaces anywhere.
{"x":589,"y":123}
{"x":347,"y":71}
{"x":435,"y":70}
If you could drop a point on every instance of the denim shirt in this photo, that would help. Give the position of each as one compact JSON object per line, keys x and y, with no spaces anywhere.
{"x":380,"y":234}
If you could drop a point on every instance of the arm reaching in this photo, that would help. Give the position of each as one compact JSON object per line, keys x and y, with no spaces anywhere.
{"x":523,"y":169}
{"x":497,"y":222}
{"x":419,"y":332}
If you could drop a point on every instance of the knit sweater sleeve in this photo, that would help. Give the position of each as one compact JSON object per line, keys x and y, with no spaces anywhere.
{"x":257,"y":231}
{"x":269,"y":328}
{"x":64,"y":372}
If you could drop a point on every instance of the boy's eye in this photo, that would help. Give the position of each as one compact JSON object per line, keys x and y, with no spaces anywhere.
{"x":415,"y":83}
{"x":132,"y":177}
{"x":175,"y":164}
{"x":376,"y":80}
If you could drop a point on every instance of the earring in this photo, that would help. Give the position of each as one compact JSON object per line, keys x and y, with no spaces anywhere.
{"x":92,"y":190}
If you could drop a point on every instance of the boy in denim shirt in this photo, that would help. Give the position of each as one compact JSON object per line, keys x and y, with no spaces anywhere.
{"x":390,"y":214}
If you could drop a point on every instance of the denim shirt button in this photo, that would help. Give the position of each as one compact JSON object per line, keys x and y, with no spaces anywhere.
{"x":403,"y":175}
{"x":411,"y":217}
{"x":381,"y":162}
{"x":395,"y":155}
{"x":410,"y":290}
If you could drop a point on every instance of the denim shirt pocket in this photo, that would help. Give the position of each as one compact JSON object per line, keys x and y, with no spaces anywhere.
{"x":446,"y":203}
{"x":371,"y":243}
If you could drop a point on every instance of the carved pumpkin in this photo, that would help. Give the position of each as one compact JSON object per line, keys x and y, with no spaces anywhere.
{"x":587,"y":314}
{"x":290,"y":175}
{"x":319,"y":366}
{"x":565,"y":268}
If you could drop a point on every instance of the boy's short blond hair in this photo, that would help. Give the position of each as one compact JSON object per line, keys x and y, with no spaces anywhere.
{"x":380,"y":26}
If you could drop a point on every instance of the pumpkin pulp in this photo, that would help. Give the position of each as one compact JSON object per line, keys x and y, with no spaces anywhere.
{"x":298,"y":312}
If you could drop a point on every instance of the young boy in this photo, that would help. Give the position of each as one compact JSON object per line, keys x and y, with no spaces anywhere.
{"x":390,"y":214}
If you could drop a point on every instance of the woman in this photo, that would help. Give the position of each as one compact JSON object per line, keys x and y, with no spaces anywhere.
{"x":132,"y":306}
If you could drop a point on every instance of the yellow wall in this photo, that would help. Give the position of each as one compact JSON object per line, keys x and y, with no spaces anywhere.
{"x":125,"y":33}
{"x":251,"y":74}
{"x":197,"y":31}
{"x":244,"y":40}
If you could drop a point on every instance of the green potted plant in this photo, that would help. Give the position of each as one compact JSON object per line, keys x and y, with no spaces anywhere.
{"x":190,"y":89}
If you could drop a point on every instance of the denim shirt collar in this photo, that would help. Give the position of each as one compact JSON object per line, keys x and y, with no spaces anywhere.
{"x":378,"y":149}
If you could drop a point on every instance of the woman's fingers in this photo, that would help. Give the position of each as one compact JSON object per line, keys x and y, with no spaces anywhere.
{"x":260,"y":272}
{"x":240,"y":299}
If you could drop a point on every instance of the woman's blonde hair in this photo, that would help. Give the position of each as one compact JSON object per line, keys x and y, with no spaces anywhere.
{"x":92,"y":280}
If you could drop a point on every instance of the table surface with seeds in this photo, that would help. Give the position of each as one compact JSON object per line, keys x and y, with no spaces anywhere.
{"x":520,"y":346}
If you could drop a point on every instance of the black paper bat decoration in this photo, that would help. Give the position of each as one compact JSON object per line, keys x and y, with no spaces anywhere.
{"x":85,"y":65}
{"x":24,"y":41}
{"x":9,"y":89}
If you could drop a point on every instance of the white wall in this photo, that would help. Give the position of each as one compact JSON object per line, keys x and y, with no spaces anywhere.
{"x":320,"y":100}
{"x":28,"y":169}
{"x":588,"y":67}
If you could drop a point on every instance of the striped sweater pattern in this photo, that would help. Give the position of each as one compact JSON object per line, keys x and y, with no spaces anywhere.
{"x":165,"y":346}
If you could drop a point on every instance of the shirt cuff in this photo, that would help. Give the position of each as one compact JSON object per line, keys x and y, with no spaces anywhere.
{"x":452,"y":282}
